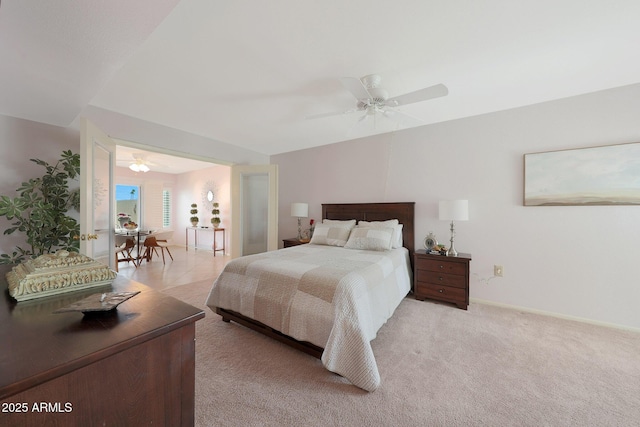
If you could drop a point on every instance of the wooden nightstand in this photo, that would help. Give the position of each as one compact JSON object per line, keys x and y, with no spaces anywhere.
{"x":442,"y":278}
{"x":287,"y":243}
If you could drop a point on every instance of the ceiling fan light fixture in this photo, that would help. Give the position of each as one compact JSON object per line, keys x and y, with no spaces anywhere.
{"x":371,"y":81}
{"x":139,"y":167}
{"x":378,"y":95}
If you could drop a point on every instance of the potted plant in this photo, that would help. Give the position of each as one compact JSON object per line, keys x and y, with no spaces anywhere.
{"x":215,"y":220}
{"x":194,"y":214}
{"x":40,"y":210}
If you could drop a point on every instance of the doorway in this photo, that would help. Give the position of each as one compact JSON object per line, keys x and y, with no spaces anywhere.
{"x":170,"y":182}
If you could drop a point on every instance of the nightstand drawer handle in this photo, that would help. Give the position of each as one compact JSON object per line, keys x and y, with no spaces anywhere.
{"x":440,"y":278}
{"x":441,"y":290}
{"x":441,"y":266}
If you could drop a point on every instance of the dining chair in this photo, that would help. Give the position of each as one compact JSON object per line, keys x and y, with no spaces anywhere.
{"x":154,"y":242}
{"x":124,"y":250}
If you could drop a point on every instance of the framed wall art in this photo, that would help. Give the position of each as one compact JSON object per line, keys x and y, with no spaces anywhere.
{"x":606,"y":175}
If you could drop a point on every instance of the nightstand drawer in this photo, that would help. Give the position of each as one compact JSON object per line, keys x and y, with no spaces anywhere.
{"x":444,"y":278}
{"x":441,"y":279}
{"x":446,"y":293}
{"x":287,"y":243}
{"x":443,"y":266}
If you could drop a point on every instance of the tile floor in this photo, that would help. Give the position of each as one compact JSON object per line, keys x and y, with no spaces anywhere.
{"x":187,"y":267}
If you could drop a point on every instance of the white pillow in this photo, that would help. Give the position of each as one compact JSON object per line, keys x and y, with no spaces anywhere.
{"x":370,"y":238}
{"x":343,"y":223}
{"x":396,"y":240}
{"x":331,"y":234}
{"x":387,"y":223}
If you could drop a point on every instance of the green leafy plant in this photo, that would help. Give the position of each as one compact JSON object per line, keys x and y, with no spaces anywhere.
{"x":194,"y":213}
{"x":40,"y":210}
{"x":215,"y":220}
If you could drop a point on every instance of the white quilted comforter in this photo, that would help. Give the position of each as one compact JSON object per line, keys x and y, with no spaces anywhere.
{"x":333,"y":297}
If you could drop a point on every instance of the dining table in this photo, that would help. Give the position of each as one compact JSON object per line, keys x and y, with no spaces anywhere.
{"x":139,"y":236}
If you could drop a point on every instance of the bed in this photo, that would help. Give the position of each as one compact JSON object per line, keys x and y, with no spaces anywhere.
{"x":325,"y":298}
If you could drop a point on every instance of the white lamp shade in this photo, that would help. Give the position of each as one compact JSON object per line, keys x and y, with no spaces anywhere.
{"x":451,"y":210}
{"x":301,"y":210}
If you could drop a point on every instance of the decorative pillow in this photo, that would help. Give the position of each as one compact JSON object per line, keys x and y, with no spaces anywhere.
{"x":343,"y":223}
{"x":370,"y":238}
{"x":396,"y":240}
{"x":387,"y":223}
{"x":330,"y":234}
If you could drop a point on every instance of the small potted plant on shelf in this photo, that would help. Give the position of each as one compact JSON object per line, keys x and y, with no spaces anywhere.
{"x":215,"y":220}
{"x":194,"y":215}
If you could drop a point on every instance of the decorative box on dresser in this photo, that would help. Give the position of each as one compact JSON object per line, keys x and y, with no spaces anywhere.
{"x":443,"y":278}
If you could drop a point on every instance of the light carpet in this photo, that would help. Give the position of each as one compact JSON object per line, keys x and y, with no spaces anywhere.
{"x":440,"y":366}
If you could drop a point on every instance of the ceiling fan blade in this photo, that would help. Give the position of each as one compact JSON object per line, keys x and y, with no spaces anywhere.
{"x":419,"y":95}
{"x":335,"y":113}
{"x":356,"y":87}
{"x":359,"y":125}
{"x":401,"y":117}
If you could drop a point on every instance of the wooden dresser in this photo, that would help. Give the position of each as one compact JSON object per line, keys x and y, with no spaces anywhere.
{"x":442,"y":278}
{"x":131,"y":366}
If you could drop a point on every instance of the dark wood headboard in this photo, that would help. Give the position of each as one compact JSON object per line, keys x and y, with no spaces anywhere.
{"x":403,"y":212}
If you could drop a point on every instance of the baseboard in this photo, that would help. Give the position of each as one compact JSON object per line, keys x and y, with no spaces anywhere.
{"x":558,"y":315}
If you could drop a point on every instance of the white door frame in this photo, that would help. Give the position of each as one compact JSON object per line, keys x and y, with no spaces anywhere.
{"x":91,"y":139}
{"x":237,"y":173}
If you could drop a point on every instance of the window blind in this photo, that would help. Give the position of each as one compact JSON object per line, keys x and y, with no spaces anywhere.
{"x":153,"y":205}
{"x":166,"y":208}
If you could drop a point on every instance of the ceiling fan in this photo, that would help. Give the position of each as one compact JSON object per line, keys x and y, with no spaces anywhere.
{"x":140,"y":164}
{"x":372,"y":100}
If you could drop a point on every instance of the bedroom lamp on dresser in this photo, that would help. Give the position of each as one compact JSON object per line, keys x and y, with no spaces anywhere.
{"x":453,"y":210}
{"x":299,"y":210}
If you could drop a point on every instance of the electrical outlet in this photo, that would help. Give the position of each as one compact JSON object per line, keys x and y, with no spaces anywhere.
{"x":498,"y":271}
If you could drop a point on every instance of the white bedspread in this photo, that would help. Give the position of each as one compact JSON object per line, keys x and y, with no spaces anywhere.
{"x":333,"y":297}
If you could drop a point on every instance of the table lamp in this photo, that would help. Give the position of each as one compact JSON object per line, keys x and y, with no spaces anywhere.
{"x":453,"y":210}
{"x":300,"y":210}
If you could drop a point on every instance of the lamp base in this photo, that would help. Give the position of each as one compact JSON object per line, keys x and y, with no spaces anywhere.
{"x":452,"y":249}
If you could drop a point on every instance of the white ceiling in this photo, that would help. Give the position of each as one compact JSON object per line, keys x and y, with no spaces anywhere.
{"x":248,"y":72}
{"x":157,"y":161}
